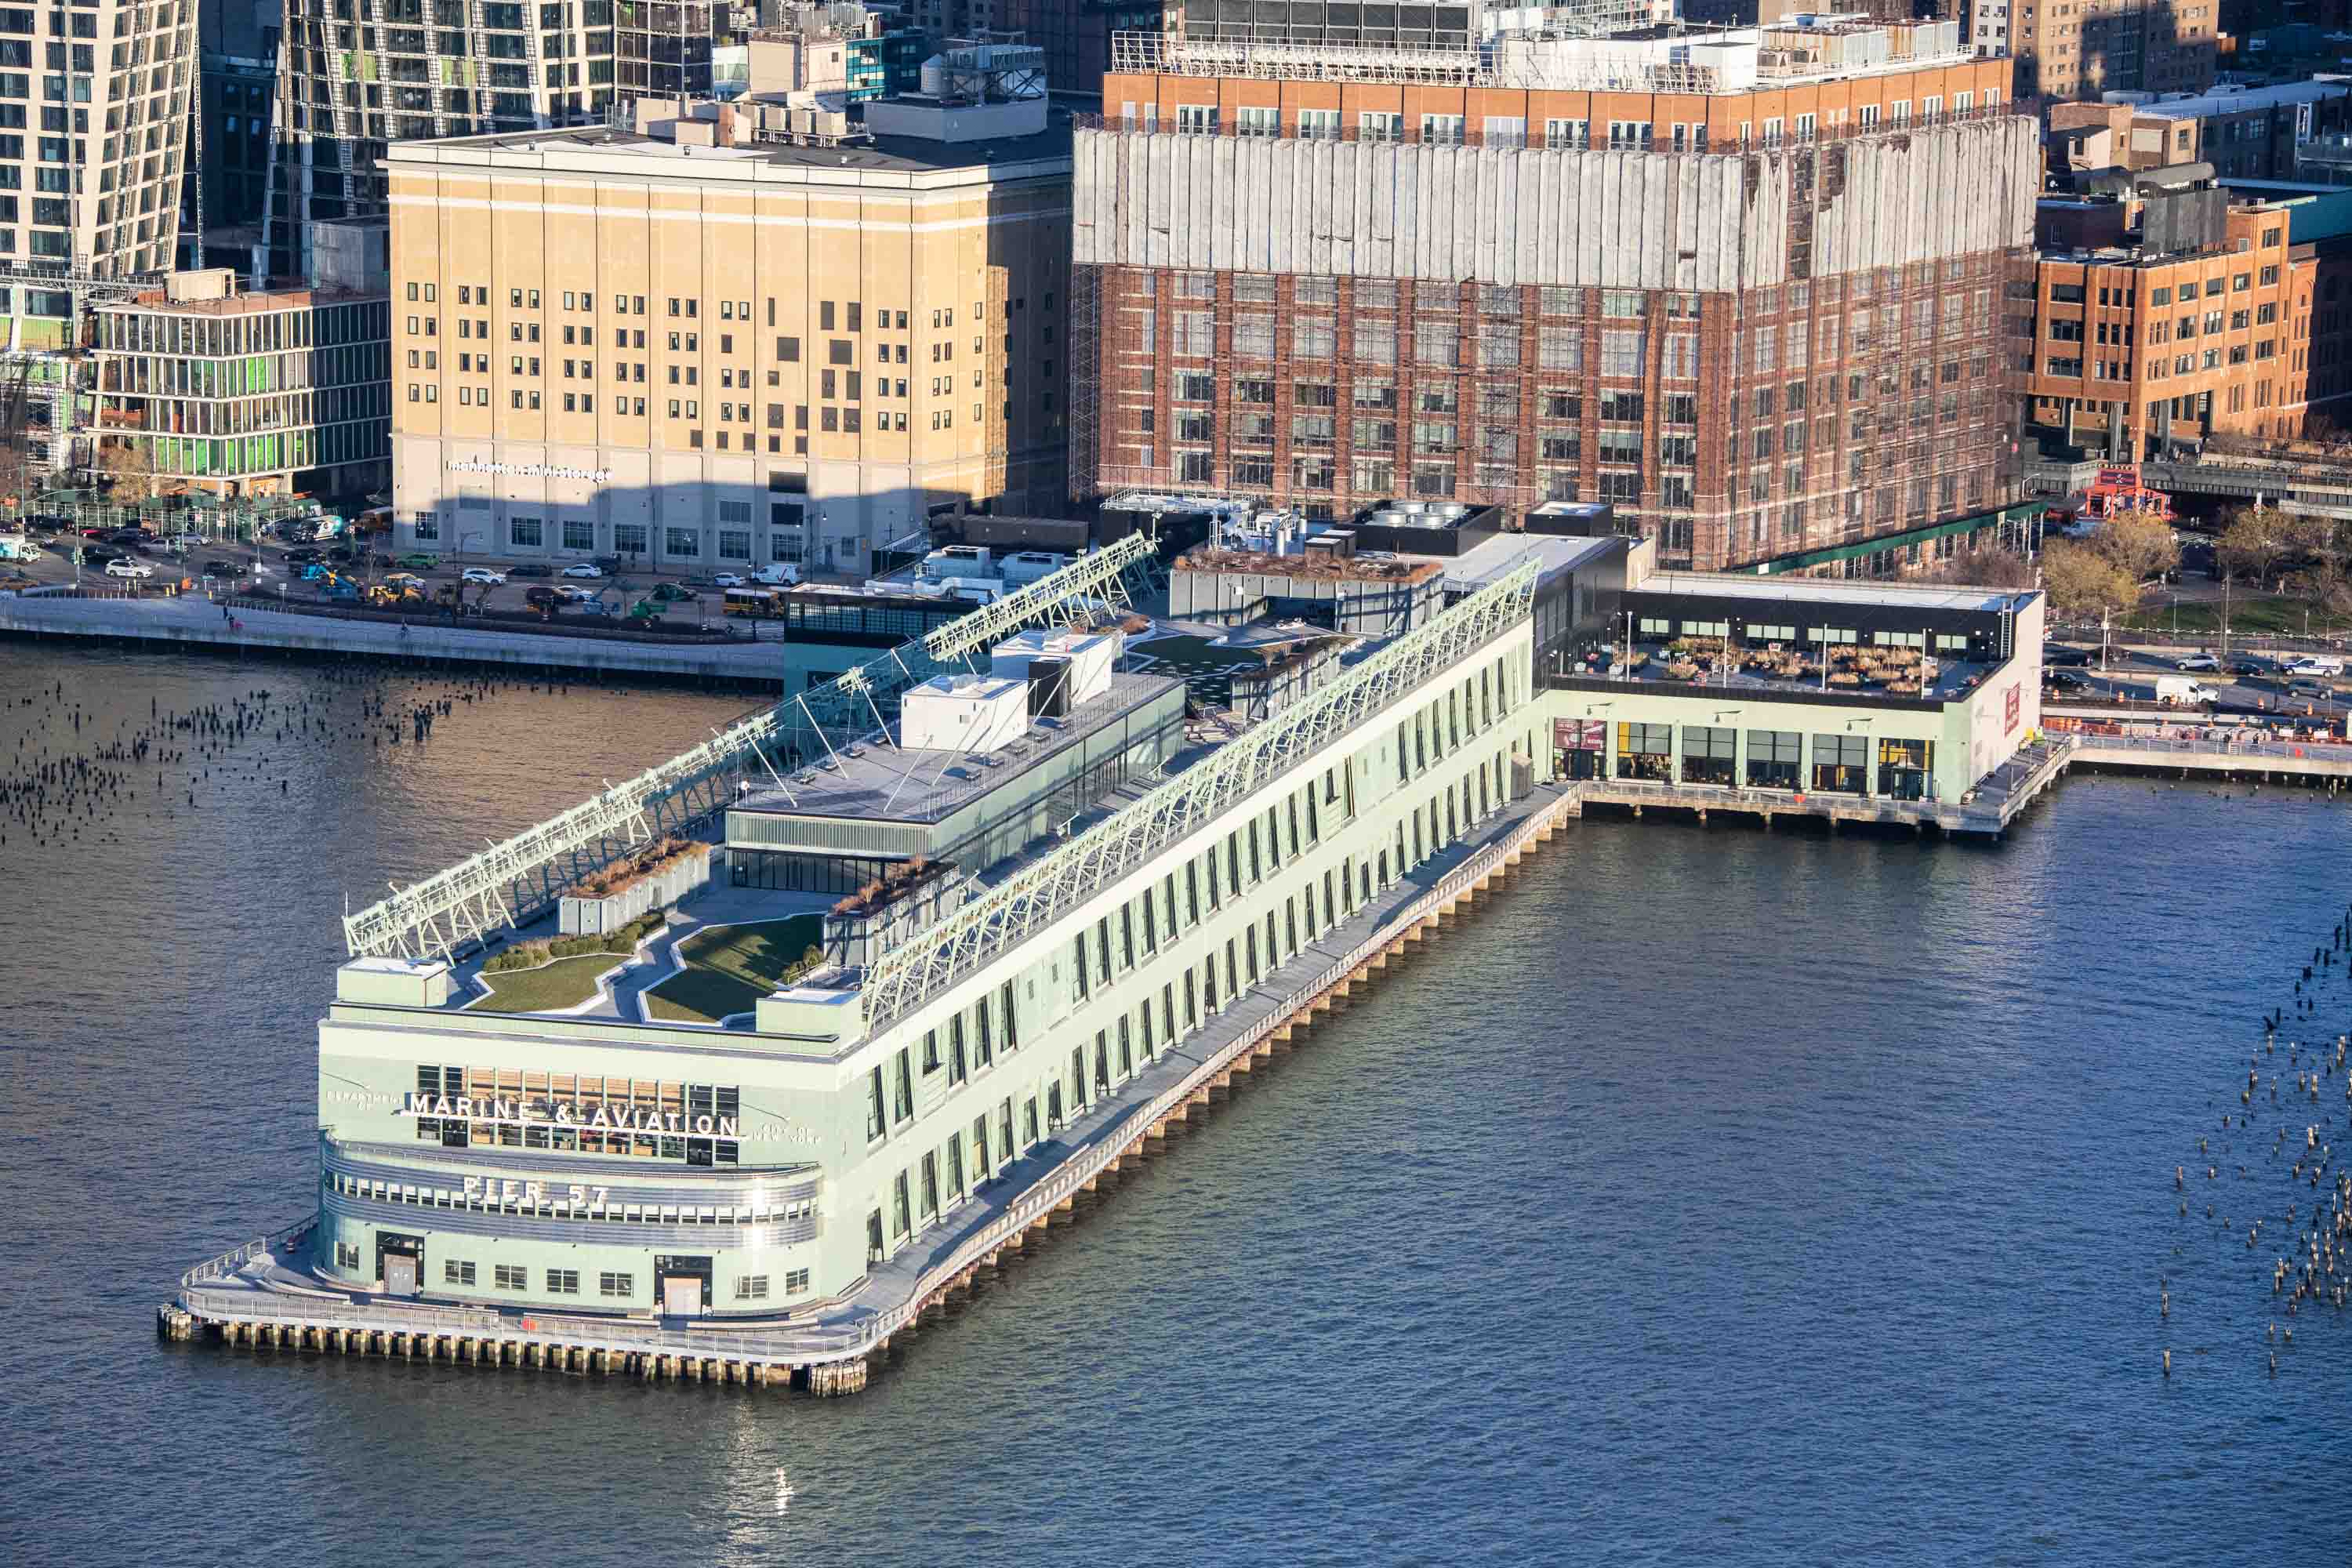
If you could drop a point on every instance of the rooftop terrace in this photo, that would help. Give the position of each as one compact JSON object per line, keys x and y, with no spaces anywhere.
{"x":876,"y":780}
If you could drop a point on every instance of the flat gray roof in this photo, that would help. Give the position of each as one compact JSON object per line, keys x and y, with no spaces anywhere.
{"x":905,"y":154}
{"x":1825,"y":591}
{"x":878,"y":781}
{"x":1484,"y":561}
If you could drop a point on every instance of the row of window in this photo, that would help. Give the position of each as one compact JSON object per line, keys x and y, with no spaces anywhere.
{"x":937,"y":1179}
{"x":1511,"y":131}
{"x":851,"y":314}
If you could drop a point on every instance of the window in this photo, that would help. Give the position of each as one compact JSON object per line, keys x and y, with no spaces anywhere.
{"x":563,"y":1281}
{"x":751,"y":1288}
{"x":795,"y":1282}
{"x":1567,"y":133}
{"x":511,"y":1277}
{"x":616,"y":1286}
{"x":455,"y":1273}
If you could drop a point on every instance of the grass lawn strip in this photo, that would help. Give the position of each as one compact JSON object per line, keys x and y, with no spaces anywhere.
{"x":729,"y":968}
{"x":550,"y":988}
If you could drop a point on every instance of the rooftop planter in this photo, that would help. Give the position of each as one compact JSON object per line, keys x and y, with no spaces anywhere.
{"x":914,"y":894}
{"x":659,"y":875}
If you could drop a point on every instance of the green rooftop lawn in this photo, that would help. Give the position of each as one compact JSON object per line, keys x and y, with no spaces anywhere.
{"x":729,"y":968}
{"x":566,"y":982}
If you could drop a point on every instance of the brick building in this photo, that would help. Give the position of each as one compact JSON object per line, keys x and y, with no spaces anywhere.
{"x":2246,"y":133}
{"x":1755,"y":311}
{"x":2165,"y":312}
{"x":2081,"y":48}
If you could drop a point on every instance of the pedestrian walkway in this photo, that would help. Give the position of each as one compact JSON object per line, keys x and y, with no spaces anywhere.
{"x":190,"y":619}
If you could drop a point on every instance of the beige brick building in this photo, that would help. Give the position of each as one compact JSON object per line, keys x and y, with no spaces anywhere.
{"x":706,"y":344}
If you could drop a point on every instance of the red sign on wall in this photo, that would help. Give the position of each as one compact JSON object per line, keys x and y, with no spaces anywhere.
{"x":2012,"y":705}
{"x":1579,"y":734}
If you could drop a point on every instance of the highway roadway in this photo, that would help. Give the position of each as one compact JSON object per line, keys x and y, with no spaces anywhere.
{"x":2247,"y":682}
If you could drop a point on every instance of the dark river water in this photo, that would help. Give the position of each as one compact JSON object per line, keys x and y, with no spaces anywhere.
{"x":1708,"y":1196}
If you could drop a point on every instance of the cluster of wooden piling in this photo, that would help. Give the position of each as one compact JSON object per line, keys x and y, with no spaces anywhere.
{"x":539,"y":1350}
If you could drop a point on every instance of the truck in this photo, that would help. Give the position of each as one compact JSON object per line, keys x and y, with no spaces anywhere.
{"x":17,"y":547}
{"x":2321,"y":664}
{"x":777,"y":574}
{"x":2179,"y":690}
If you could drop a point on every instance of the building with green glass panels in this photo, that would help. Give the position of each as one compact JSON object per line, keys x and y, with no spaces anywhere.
{"x":249,"y":394}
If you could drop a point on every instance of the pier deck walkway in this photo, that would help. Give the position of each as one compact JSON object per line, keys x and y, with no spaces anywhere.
{"x":191,"y":620}
{"x":266,"y":1282}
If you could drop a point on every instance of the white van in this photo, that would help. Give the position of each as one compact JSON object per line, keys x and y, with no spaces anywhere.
{"x":2316,"y":664}
{"x":777,"y":574}
{"x":2179,"y":688}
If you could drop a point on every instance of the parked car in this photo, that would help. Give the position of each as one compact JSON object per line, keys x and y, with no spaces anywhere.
{"x":482,"y":575}
{"x":540,"y":598}
{"x":583,"y":569}
{"x":127,"y":536}
{"x":99,"y":554}
{"x":2198,"y":661}
{"x":532,"y":569}
{"x":187,"y":541}
{"x":567,"y":592}
{"x":610,"y":564}
{"x":418,"y":561}
{"x":304,"y":556}
{"x":2316,"y":664}
{"x":727,"y":580}
{"x":129,"y":569}
{"x":2054,"y":654}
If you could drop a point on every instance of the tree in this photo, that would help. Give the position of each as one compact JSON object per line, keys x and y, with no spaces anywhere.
{"x":2083,"y":584}
{"x":2139,"y":543}
{"x":2256,"y":541}
{"x":1984,"y":566}
{"x":129,"y":470}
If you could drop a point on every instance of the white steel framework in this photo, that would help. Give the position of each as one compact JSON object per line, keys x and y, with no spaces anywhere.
{"x":921,"y":967}
{"x":478,"y":896}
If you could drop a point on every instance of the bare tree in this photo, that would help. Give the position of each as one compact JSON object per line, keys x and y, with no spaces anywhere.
{"x":2256,"y":540}
{"x":1983,"y":566}
{"x":129,"y":470}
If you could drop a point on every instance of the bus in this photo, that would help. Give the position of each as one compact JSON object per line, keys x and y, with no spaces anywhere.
{"x":760,"y":602}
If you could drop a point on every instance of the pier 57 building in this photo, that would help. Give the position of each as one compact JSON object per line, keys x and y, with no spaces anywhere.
{"x":862,"y":989}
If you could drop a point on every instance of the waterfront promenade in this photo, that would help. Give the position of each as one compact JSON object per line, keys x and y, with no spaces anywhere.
{"x":264,"y":1293}
{"x":189,"y":620}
